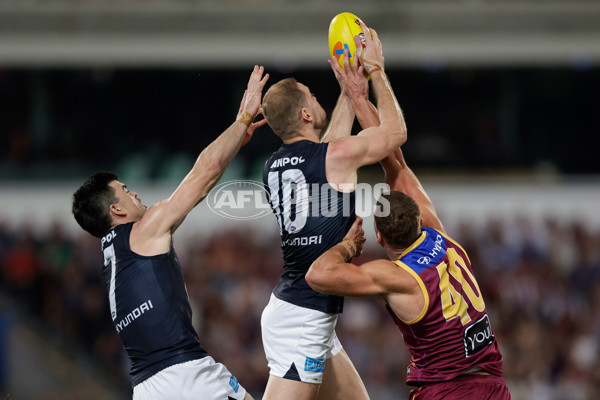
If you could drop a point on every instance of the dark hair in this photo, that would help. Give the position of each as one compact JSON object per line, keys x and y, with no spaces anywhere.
{"x":402,"y":225}
{"x":91,"y":203}
{"x":281,"y":106}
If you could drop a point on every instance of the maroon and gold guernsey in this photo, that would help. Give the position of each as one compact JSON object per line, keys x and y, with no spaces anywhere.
{"x":453,"y":334}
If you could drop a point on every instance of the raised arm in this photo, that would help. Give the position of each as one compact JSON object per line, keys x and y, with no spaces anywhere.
{"x":342,"y":119}
{"x":401,"y":178}
{"x":355,"y":85}
{"x":162,"y":219}
{"x":354,"y":92}
{"x":375,"y":142}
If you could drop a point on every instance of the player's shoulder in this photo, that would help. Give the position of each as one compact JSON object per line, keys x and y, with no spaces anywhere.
{"x":343,"y":148}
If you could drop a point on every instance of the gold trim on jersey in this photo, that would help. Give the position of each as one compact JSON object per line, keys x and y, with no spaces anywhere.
{"x":455,"y":243}
{"x":417,"y":278}
{"x":415,"y":244}
{"x":423,"y":290}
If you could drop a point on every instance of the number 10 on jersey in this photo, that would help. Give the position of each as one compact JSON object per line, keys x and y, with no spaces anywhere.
{"x":289,"y":197}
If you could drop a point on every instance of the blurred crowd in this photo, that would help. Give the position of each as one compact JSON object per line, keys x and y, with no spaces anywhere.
{"x":540,"y":279}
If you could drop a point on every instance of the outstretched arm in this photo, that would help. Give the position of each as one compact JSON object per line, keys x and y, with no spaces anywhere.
{"x":376,"y":141}
{"x":401,"y":178}
{"x":162,"y":219}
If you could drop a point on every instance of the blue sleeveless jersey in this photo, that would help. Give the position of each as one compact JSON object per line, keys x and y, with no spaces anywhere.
{"x":312,"y":218}
{"x":149,"y":306}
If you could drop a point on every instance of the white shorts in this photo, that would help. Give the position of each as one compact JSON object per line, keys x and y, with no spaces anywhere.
{"x":298,"y":340}
{"x":196,"y":379}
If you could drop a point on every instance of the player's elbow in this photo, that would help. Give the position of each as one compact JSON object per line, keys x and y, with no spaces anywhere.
{"x":317,"y":277}
{"x":395,"y":130}
{"x":398,"y":137}
{"x":390,"y":141}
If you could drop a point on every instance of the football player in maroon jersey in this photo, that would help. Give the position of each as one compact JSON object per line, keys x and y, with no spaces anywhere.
{"x":429,"y":289}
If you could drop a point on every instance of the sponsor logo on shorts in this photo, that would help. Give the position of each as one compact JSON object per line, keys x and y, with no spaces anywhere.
{"x":233,"y":382}
{"x":314,"y":364}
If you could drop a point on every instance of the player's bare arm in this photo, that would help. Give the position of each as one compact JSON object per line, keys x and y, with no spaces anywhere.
{"x":354,"y":91}
{"x":152,"y":235}
{"x":371,"y":145}
{"x":332,"y":273}
{"x":401,"y":178}
{"x":342,"y":119}
{"x":356,"y":87}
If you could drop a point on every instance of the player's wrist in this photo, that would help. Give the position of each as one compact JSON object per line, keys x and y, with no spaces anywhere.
{"x":350,"y":247}
{"x":359,"y":99}
{"x":245,"y":118}
{"x":377,"y":69}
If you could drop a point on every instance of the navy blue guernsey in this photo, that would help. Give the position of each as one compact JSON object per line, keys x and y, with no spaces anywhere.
{"x":312,"y":218}
{"x":149,"y":306}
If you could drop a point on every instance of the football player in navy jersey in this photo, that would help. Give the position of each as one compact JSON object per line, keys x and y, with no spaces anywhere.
{"x":148,"y":300}
{"x":429,"y":289}
{"x":310,"y":180}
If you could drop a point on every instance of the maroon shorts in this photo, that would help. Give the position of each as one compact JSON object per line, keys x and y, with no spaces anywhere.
{"x":464,"y":387}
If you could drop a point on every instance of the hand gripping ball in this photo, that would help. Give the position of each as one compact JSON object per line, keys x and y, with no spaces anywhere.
{"x":342,"y":30}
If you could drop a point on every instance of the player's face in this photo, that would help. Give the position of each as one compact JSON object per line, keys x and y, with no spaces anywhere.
{"x":128,"y":200}
{"x":319,"y":114}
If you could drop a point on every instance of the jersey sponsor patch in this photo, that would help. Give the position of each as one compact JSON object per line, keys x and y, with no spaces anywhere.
{"x":314,"y":364}
{"x":478,"y":336}
{"x":233,"y":382}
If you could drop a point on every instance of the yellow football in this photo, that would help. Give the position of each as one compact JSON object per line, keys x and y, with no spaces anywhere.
{"x":342,"y":30}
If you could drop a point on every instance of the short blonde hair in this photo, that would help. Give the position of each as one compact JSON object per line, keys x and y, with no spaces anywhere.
{"x":281,"y":107}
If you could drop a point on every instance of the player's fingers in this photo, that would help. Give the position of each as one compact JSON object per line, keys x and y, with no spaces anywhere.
{"x":257,"y":73}
{"x":253,"y":74}
{"x":365,"y":30}
{"x":358,"y":223}
{"x":359,"y":250}
{"x":335,"y":66}
{"x":260,"y":123}
{"x":264,"y":80}
{"x":375,"y":36}
{"x":358,"y":43}
{"x":347,"y":60}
